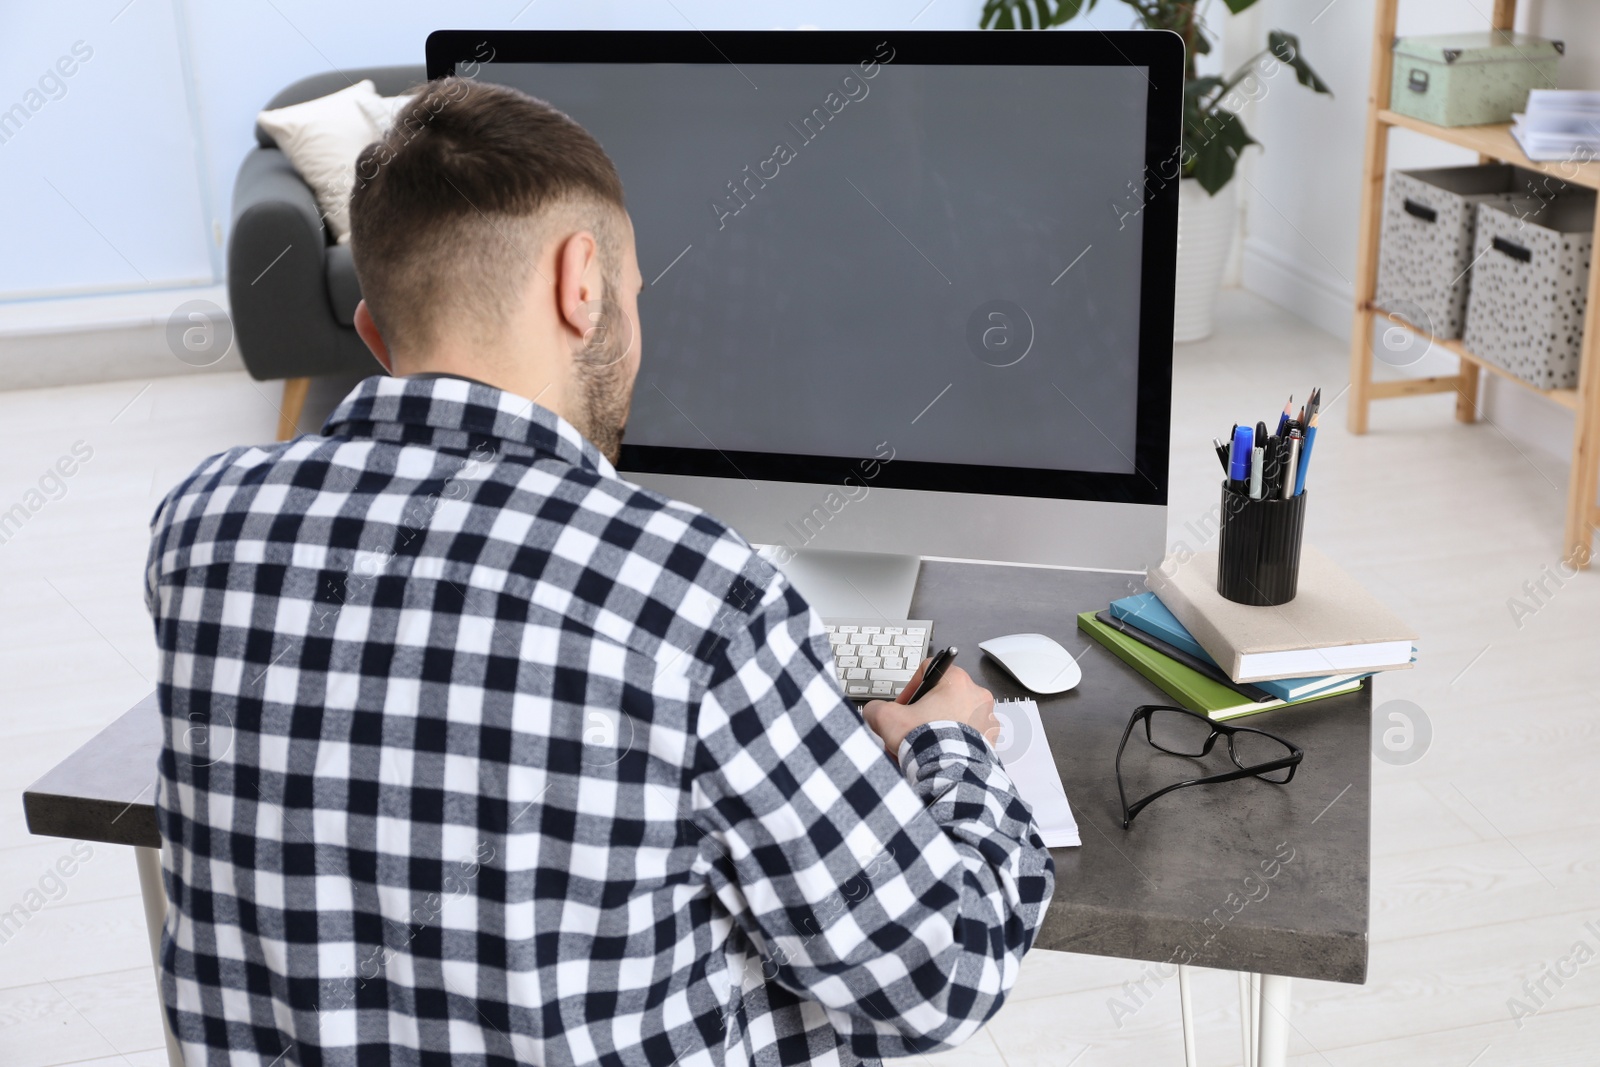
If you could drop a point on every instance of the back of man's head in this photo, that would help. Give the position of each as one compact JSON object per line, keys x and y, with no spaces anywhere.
{"x":452,"y":206}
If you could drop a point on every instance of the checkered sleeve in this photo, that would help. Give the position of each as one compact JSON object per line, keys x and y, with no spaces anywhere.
{"x":899,"y":899}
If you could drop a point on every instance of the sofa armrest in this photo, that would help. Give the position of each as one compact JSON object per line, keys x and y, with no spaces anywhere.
{"x":277,"y":292}
{"x":268,"y":180}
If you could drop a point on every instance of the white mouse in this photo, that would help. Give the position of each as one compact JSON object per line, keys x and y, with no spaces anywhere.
{"x":1036,"y":661}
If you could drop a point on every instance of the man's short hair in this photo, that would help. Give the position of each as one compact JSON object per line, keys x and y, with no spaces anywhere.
{"x":452,"y":207}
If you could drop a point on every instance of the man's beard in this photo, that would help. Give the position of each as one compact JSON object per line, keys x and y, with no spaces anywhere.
{"x":605,"y":390}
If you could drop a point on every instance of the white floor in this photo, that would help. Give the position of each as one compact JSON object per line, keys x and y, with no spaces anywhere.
{"x":1486,"y":850}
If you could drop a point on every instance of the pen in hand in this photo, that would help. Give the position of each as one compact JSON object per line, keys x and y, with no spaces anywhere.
{"x":930,"y":677}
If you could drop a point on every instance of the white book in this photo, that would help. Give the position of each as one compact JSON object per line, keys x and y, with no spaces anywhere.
{"x":1024,"y":752}
{"x":1541,"y":100}
{"x":1332,"y":626}
{"x":1555,"y":148}
{"x":1560,"y":124}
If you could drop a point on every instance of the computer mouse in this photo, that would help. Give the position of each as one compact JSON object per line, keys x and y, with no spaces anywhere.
{"x":1036,"y":661}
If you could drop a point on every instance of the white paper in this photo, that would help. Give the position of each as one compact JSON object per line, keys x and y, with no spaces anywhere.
{"x":1024,"y":751}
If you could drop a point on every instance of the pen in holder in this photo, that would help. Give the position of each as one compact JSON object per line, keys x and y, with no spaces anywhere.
{"x":1258,"y":550}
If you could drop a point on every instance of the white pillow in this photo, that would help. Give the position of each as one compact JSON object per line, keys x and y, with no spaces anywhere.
{"x":381,"y":110}
{"x":322,"y":138}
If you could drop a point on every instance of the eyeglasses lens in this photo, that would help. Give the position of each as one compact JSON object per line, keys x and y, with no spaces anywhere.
{"x":1253,"y":749}
{"x":1179,"y":733}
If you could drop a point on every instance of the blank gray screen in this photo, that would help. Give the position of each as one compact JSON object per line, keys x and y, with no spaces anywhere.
{"x":823,"y":253}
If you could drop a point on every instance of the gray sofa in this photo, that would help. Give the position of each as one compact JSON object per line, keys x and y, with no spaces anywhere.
{"x":296,"y":320}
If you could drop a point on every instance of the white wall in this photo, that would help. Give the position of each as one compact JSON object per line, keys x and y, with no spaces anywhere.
{"x":96,"y":166}
{"x":1302,"y":197}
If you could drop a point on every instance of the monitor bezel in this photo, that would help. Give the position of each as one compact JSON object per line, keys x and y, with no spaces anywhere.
{"x":1160,"y":52}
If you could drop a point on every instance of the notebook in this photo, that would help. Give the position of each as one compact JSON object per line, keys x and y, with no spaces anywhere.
{"x":1187,"y":687}
{"x":1332,"y":626}
{"x":1145,"y":612}
{"x":1024,"y":751}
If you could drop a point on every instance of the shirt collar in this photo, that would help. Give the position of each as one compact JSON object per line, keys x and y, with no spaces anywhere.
{"x":448,"y":411}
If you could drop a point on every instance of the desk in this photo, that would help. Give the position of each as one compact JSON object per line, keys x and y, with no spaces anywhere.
{"x":1171,"y":890}
{"x":105,"y":791}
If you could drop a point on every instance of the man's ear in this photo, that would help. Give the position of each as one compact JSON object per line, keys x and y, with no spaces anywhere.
{"x":368,"y":330}
{"x":578,"y":283}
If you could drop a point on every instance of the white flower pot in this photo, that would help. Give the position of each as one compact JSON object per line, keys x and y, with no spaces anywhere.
{"x":1205,"y":237}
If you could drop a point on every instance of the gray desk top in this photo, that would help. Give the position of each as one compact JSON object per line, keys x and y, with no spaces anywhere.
{"x":105,"y":791}
{"x":1172,"y":888}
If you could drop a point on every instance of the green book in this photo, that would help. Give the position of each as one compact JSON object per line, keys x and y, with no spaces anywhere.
{"x":1185,"y":685}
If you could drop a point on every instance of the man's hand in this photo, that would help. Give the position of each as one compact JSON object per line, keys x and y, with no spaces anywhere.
{"x":956,"y":698}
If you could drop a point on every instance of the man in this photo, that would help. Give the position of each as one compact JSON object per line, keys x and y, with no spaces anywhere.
{"x":477,"y":754}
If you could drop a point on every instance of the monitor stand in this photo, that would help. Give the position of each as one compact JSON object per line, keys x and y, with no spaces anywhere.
{"x":849,"y":585}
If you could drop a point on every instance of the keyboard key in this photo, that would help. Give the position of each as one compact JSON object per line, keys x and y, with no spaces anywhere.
{"x":875,"y":646}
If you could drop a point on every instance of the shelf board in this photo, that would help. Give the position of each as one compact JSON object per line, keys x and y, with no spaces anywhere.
{"x":1567,"y":398}
{"x":1496,"y":142}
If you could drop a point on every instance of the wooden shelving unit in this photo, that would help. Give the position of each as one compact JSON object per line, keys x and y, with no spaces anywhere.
{"x":1492,"y":143}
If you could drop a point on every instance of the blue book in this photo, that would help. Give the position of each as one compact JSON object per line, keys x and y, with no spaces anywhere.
{"x":1146,"y":612}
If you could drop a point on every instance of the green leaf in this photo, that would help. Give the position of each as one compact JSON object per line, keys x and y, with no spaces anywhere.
{"x":1286,"y":48}
{"x":1237,"y":6}
{"x":1028,"y":14}
{"x":1215,"y":143}
{"x":1200,"y":88}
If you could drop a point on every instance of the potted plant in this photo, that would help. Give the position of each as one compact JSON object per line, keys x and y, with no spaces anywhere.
{"x":1213,"y":134}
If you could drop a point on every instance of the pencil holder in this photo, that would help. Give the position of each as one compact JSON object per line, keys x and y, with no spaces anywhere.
{"x":1258,"y":550}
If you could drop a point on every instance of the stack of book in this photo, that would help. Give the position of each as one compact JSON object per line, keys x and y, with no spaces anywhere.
{"x":1223,"y":659}
{"x":1559,"y":125}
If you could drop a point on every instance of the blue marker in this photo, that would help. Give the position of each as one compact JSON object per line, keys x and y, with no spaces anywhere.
{"x":1239,"y":459}
{"x":1305,"y":457}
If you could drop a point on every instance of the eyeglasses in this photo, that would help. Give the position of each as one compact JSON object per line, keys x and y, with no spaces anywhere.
{"x":1181,"y":732}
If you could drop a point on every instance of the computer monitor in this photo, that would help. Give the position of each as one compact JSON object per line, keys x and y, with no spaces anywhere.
{"x":906,"y":293}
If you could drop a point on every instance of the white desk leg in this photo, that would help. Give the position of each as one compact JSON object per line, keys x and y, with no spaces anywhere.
{"x":1247,"y":1019}
{"x":148,"y":860}
{"x":1274,"y":1015}
{"x":1189,"y":1057}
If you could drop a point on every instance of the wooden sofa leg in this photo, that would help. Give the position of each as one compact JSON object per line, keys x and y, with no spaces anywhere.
{"x":294,"y":401}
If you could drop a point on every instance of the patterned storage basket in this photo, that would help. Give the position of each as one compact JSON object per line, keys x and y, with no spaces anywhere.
{"x":1530,"y":288}
{"x":1425,"y":257}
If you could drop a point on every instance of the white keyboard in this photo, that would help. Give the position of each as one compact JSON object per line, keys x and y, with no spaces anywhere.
{"x":875,"y":658}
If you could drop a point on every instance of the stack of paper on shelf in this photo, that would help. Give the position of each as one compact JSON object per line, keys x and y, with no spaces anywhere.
{"x":1559,"y":125}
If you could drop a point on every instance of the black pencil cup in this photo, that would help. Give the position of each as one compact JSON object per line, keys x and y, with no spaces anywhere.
{"x":1258,"y":550}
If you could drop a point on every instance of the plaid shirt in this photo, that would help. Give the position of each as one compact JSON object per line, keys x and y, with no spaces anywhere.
{"x":475,"y":753}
